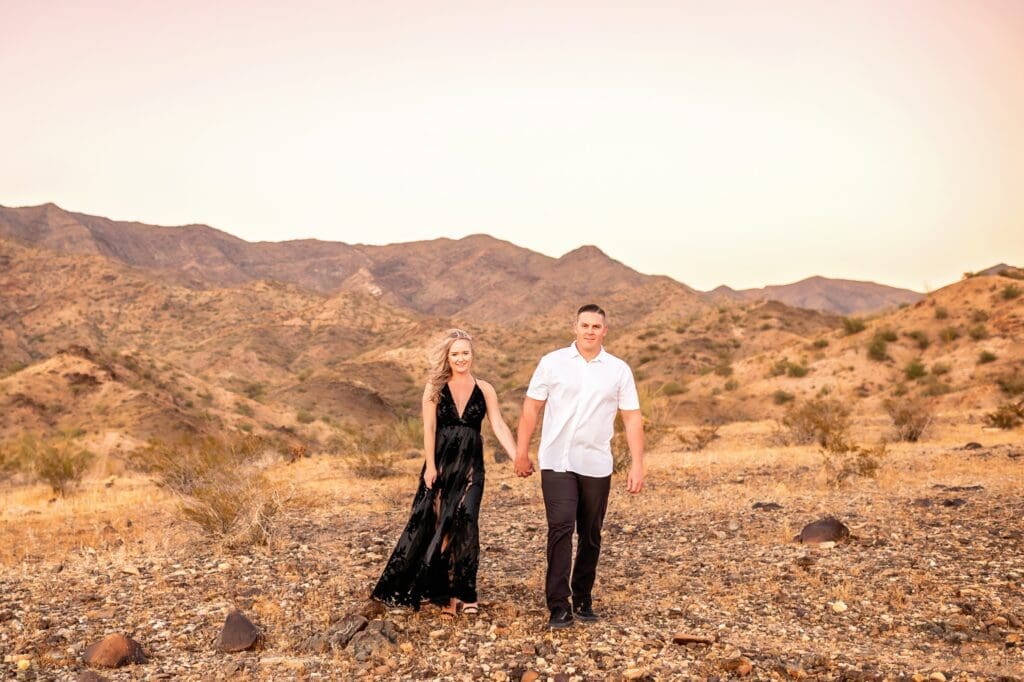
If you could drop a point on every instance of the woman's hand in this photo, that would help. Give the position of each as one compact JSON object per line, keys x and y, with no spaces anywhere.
{"x":429,"y":476}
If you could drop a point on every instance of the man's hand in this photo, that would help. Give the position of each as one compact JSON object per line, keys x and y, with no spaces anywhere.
{"x":523,"y":466}
{"x":635,"y":479}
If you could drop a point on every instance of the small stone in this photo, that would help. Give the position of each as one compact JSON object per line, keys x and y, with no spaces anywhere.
{"x":688,"y":638}
{"x":90,"y":676}
{"x":825,"y":530}
{"x":633,"y":674}
{"x":530,"y":676}
{"x":739,"y":665}
{"x":937,"y":677}
{"x":839,"y":606}
{"x":238,"y":633}
{"x":406,"y":647}
{"x":435,"y":634}
{"x":113,"y":651}
{"x":24,"y":664}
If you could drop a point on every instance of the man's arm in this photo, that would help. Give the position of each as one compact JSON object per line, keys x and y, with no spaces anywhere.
{"x":527,"y":424}
{"x":634,"y":424}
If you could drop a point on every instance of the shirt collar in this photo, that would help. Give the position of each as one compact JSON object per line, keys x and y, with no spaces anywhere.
{"x":575,"y":353}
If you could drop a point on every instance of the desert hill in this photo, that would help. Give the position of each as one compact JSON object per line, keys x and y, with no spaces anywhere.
{"x":842,"y":296}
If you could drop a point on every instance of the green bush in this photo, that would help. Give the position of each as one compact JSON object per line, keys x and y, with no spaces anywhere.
{"x":1007,"y":416}
{"x":979,"y":316}
{"x":888,"y":334}
{"x":940,"y":368}
{"x":941,"y":313}
{"x":843,"y":462}
{"x":920,"y":338}
{"x":1011,"y":291}
{"x":58,"y":462}
{"x":244,"y":409}
{"x":949,"y":334}
{"x":877,"y":349}
{"x":820,"y":343}
{"x":671,"y":388}
{"x":934,"y":388}
{"x":781,"y":397}
{"x":1011,"y":384}
{"x":853,"y":325}
{"x":986,"y":357}
{"x":732,"y":385}
{"x":914,"y":370}
{"x":304,"y":417}
{"x":978,"y":332}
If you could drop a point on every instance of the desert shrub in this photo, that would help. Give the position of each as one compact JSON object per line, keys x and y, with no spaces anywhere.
{"x":940,"y":368}
{"x":979,"y":316}
{"x":255,"y":391}
{"x":244,"y":409}
{"x":670,"y":388}
{"x":919,"y":338}
{"x":59,"y":462}
{"x":820,"y":343}
{"x":877,"y":349}
{"x":1007,"y":415}
{"x":910,"y":417}
{"x":1011,"y":384}
{"x":949,"y":334}
{"x":699,"y":439}
{"x":985,"y":357}
{"x":375,"y":452}
{"x":933,"y":387}
{"x":655,"y":410}
{"x":887,"y":334}
{"x":304,"y":417}
{"x":724,"y":367}
{"x":784,"y":366}
{"x":731,"y":385}
{"x":853,"y":325}
{"x":219,"y":485}
{"x":1011,"y":291}
{"x":781,"y":397}
{"x":941,"y":313}
{"x":824,"y":421}
{"x":914,"y":369}
{"x":841,"y":463}
{"x":978,"y":332}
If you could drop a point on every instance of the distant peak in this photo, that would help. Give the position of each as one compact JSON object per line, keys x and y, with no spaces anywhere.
{"x":586,"y":251}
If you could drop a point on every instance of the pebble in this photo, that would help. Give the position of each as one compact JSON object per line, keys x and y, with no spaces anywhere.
{"x":839,"y":606}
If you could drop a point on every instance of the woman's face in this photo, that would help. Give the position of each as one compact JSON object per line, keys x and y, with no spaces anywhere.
{"x":460,"y":356}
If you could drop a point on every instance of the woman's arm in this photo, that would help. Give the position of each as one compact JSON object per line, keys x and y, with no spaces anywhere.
{"x":498,"y":425}
{"x":429,"y":427}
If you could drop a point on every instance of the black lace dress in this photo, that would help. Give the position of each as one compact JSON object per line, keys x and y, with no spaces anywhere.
{"x":438,"y":553}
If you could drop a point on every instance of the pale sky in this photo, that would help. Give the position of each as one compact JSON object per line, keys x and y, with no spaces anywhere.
{"x":745,"y":143}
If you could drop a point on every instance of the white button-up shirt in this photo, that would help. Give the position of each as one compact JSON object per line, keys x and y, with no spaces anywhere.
{"x":579,"y":417}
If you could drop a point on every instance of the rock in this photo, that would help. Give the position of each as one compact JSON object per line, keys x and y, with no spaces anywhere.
{"x":954,"y":502}
{"x":436,"y":634}
{"x":530,"y":676}
{"x":839,"y":606}
{"x":412,"y":453}
{"x":500,"y":456}
{"x":739,"y":665}
{"x":830,"y":529}
{"x":90,"y":676}
{"x":371,"y":608}
{"x":633,"y":674}
{"x":688,"y":638}
{"x":341,"y":634}
{"x":238,"y":633}
{"x":972,"y":446}
{"x":375,"y":639}
{"x":113,"y":651}
{"x":766,"y":506}
{"x":937,"y":677}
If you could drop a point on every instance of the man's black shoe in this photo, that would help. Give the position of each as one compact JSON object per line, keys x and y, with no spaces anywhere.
{"x":585,"y":611}
{"x":560,"y":618}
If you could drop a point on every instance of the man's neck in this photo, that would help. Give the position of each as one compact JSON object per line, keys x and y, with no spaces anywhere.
{"x":588,"y":356}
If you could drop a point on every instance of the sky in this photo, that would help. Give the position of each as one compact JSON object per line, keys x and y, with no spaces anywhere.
{"x":740,"y":143}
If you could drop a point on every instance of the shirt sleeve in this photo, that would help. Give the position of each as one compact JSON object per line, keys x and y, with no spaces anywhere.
{"x":628,"y":399}
{"x":539,"y":383}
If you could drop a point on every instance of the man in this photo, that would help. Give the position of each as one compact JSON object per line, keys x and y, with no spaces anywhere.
{"x":580,"y":388}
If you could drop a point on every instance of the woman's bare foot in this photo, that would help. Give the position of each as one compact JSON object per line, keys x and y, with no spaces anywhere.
{"x":471,"y":609}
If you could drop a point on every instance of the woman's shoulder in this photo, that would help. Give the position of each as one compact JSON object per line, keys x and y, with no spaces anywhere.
{"x":485,"y":386}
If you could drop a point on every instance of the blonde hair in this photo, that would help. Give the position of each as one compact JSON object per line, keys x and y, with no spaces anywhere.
{"x":440,"y":368}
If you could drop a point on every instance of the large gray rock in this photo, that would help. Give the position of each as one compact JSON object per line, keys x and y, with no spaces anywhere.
{"x":825,"y":530}
{"x":239,"y":633}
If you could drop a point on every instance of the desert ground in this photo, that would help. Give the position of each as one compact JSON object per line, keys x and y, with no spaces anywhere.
{"x":929,"y":586}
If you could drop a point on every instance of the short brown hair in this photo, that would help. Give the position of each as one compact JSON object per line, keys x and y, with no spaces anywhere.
{"x":591,"y":308}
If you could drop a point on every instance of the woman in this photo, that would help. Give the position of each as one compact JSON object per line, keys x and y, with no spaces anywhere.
{"x":437,"y":555}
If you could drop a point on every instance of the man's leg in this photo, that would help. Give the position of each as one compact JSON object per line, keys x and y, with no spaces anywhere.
{"x":593,"y":502}
{"x":560,"y":500}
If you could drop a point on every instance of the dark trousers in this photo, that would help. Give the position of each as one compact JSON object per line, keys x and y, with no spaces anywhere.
{"x":572,"y":500}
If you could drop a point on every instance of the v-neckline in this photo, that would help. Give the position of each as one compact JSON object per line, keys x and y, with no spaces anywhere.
{"x":455,"y":404}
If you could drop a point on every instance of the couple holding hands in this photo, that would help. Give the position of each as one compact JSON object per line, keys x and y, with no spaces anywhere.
{"x":580,"y":388}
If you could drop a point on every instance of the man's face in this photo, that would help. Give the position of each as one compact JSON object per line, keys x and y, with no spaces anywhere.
{"x":590,"y":329}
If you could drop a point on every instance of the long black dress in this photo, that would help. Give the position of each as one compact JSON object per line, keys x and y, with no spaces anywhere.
{"x":438,"y":553}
